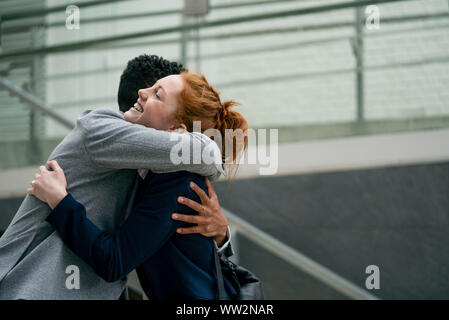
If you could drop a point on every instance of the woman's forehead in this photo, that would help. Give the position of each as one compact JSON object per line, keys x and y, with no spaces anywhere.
{"x":171,"y":83}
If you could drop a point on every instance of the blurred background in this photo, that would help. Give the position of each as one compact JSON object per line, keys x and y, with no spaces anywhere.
{"x":362,"y":115}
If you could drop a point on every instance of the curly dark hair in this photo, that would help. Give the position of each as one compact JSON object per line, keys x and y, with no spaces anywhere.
{"x":142,"y":72}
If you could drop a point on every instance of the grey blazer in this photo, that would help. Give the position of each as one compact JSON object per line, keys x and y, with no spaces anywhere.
{"x":99,"y":157}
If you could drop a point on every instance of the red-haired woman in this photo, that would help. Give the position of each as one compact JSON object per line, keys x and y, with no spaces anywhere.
{"x":170,"y":265}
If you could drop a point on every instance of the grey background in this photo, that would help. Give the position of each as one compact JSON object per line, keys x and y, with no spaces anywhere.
{"x":395,"y":218}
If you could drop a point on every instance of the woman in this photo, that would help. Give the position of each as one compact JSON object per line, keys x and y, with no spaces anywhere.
{"x":169,"y":267}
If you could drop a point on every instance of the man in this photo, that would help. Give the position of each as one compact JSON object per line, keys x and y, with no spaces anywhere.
{"x":99,"y":157}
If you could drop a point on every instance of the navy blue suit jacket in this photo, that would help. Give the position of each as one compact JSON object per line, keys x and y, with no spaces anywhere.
{"x":169,"y":265}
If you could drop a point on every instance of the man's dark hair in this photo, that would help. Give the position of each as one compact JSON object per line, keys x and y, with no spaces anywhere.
{"x":142,"y":72}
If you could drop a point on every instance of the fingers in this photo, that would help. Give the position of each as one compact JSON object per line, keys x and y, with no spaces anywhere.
{"x":204,"y":225}
{"x":204,"y":230}
{"x":200,"y":192}
{"x":190,"y":230}
{"x":191,"y":204}
{"x":190,"y":218}
{"x":210,"y":189}
{"x":42,"y":170}
{"x":33,"y":188}
{"x":54,"y":165}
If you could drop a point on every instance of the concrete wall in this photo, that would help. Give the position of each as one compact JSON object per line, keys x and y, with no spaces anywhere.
{"x":394,"y":217}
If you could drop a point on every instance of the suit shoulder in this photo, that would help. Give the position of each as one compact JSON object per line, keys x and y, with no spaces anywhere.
{"x":94,"y":121}
{"x":92,"y":115}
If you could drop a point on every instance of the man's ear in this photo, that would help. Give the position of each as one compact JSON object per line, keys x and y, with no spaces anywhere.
{"x":178,"y":128}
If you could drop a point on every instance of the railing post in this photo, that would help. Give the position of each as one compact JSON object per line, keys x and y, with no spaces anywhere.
{"x":358,"y":50}
{"x":183,"y":42}
{"x":197,"y":45}
{"x":36,"y":77}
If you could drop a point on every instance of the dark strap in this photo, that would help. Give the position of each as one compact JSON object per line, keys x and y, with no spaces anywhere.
{"x":221,"y":289}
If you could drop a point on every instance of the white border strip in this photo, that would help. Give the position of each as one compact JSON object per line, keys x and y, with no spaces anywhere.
{"x":359,"y":152}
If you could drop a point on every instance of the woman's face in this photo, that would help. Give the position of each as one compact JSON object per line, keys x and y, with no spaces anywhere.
{"x":156,"y":106}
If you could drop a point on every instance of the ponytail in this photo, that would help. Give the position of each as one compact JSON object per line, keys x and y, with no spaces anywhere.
{"x":199,"y":101}
{"x":230,"y":119}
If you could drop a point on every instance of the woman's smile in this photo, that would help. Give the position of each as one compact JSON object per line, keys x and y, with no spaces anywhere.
{"x":138,"y":107}
{"x":135,"y":113}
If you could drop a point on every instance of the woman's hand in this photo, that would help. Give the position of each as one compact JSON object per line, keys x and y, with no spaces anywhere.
{"x":211,"y":220}
{"x":49,"y":186}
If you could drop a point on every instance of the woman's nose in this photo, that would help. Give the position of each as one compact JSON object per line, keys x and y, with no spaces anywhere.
{"x":142,"y":94}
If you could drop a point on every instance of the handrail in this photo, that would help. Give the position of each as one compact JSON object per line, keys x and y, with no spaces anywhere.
{"x":35,"y":103}
{"x":20,"y":14}
{"x":297,"y":259}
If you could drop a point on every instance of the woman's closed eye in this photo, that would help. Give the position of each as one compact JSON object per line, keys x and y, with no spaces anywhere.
{"x":157,"y":96}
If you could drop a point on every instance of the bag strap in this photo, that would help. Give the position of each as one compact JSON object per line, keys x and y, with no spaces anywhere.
{"x":221,"y":289}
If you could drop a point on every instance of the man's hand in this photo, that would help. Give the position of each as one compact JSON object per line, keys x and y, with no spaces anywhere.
{"x":211,"y":221}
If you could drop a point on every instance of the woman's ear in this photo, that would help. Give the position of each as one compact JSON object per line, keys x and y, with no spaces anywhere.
{"x":178,"y":128}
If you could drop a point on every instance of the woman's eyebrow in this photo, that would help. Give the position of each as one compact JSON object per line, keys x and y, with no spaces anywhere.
{"x":165,"y":92}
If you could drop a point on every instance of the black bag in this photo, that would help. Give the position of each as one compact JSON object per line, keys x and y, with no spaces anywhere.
{"x":247,"y":285}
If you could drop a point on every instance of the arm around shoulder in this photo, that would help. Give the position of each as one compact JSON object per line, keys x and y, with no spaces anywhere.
{"x":112,"y":142}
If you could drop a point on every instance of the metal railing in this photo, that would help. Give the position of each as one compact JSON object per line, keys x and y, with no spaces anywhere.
{"x":35,"y":103}
{"x":94,"y":43}
{"x":297,"y":259}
